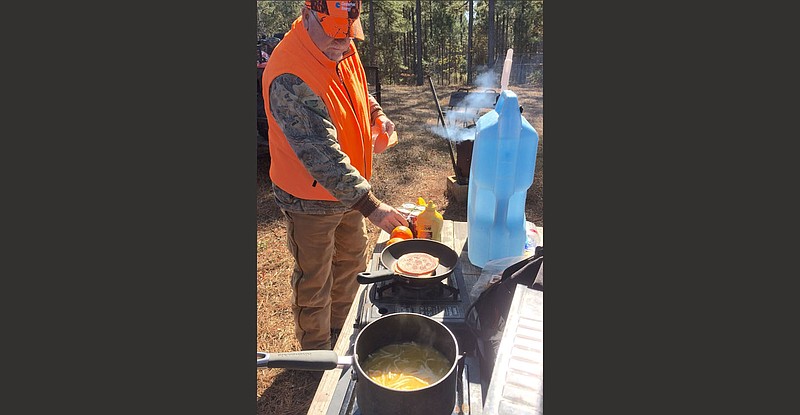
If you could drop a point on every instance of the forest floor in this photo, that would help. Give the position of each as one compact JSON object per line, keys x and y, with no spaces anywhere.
{"x":419,"y":165}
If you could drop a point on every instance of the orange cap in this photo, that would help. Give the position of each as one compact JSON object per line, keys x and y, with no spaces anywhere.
{"x":339,"y":18}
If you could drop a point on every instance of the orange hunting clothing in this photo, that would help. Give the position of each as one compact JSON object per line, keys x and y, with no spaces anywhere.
{"x":322,"y":114}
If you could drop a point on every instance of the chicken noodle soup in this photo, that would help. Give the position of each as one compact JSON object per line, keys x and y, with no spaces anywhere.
{"x":406,"y":366}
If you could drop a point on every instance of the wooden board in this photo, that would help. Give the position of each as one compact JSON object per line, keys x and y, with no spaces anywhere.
{"x":327,"y":385}
{"x":455,"y":190}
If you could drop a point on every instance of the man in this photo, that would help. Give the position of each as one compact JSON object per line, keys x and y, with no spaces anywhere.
{"x":321,"y":118}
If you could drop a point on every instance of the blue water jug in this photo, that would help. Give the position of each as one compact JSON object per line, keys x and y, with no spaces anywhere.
{"x":501,"y":171}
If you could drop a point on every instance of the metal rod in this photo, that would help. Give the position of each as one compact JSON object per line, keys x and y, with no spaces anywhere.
{"x":459,"y":179}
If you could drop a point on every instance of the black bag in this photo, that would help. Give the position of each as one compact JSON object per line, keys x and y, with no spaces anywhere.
{"x":486,"y":317}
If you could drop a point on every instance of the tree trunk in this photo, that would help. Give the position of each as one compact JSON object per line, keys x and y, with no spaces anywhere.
{"x":505,"y":34}
{"x":449,"y":55}
{"x":443,"y":61}
{"x":469,"y":43}
{"x":407,"y":38}
{"x":419,"y":44}
{"x":430,"y":19}
{"x":519,"y":47}
{"x":439,"y":62}
{"x":490,"y":53}
{"x":371,"y":34}
{"x":405,"y":49}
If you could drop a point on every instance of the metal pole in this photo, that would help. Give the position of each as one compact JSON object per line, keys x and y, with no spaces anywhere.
{"x":459,"y":179}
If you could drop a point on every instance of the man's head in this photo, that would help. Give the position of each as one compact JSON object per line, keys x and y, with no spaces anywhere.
{"x":340,"y":18}
{"x":333,"y":24}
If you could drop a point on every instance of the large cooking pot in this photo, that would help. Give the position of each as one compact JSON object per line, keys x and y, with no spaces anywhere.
{"x":374,"y":399}
{"x":448,"y":258}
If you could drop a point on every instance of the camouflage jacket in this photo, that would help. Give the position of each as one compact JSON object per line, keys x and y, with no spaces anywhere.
{"x":306,"y":123}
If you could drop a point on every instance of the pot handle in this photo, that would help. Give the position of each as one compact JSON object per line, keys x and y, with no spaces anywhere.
{"x":368,"y":277}
{"x":303,"y":360}
{"x":262,"y":359}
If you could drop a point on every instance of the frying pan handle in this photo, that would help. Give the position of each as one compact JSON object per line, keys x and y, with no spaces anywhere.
{"x":304,"y":360}
{"x":368,"y":277}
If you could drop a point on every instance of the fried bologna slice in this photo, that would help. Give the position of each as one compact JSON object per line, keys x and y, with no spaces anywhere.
{"x":417,"y":264}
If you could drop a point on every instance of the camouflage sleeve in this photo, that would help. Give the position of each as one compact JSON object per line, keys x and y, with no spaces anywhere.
{"x":306,"y":123}
{"x":375,"y":109}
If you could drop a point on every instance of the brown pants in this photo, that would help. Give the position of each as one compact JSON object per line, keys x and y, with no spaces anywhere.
{"x":329,"y":250}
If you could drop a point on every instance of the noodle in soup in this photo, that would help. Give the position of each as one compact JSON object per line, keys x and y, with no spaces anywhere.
{"x":406,"y":366}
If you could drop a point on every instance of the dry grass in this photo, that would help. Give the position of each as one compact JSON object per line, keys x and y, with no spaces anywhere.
{"x":418,"y":166}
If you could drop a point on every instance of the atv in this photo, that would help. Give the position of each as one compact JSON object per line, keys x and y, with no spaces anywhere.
{"x":264,"y":48}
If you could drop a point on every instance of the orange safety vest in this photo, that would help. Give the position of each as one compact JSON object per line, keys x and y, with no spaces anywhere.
{"x":343,"y":88}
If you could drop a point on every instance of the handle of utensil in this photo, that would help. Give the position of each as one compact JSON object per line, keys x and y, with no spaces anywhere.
{"x":303,"y":360}
{"x":368,"y":277}
{"x":262,"y":359}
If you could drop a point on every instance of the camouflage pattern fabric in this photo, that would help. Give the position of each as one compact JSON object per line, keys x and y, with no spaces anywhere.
{"x":306,"y":123}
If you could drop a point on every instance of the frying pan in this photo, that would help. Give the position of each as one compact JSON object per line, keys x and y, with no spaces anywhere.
{"x":448,"y":258}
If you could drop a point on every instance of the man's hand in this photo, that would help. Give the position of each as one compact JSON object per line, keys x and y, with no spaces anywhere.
{"x":387,"y":218}
{"x":385,"y":124}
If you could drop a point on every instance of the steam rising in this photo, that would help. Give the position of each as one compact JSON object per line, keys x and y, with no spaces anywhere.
{"x":487,"y":79}
{"x":461,"y":118}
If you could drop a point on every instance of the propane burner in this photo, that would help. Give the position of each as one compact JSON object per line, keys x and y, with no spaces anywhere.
{"x":399,"y":291}
{"x":440,"y":300}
